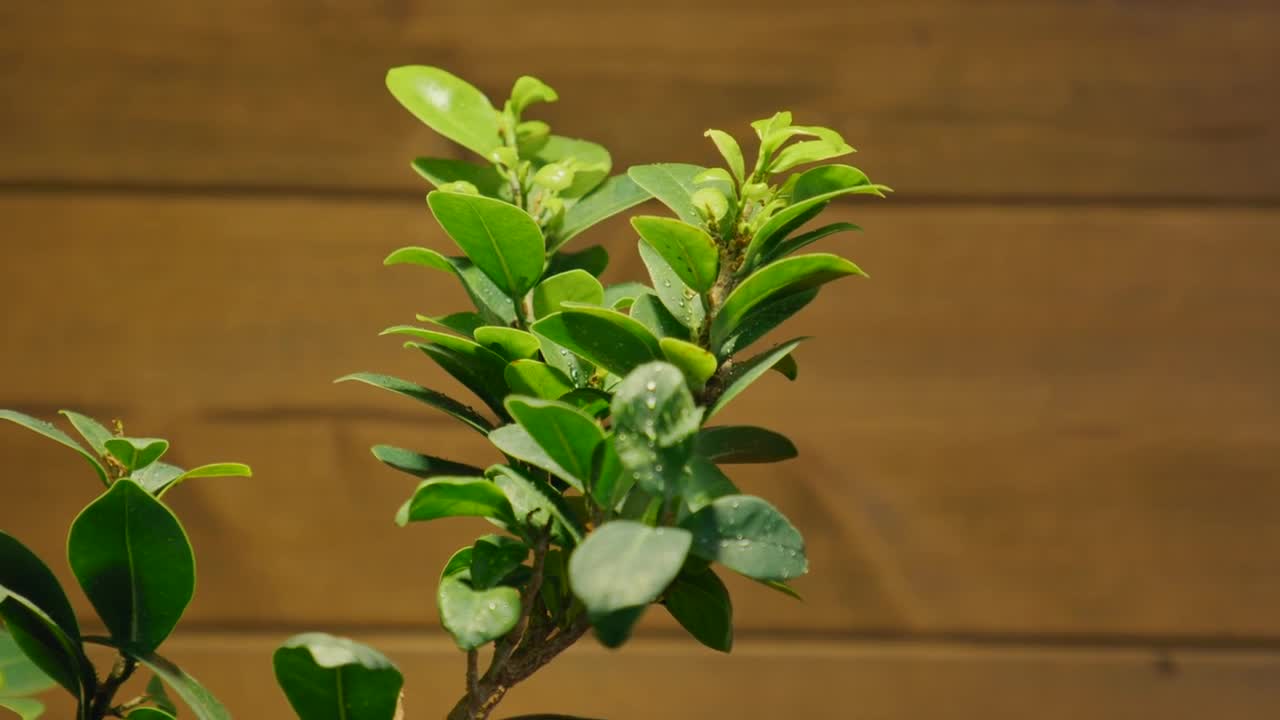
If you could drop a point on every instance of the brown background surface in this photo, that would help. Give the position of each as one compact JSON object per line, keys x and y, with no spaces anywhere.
{"x":1040,"y":450}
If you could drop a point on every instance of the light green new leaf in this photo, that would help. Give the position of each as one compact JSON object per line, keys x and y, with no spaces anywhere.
{"x":785,"y":277}
{"x":501,"y":239}
{"x":614,"y":195}
{"x":529,"y":90}
{"x":689,"y":250}
{"x":331,"y":678}
{"x":493,"y":557}
{"x":649,"y":311}
{"x":510,"y":343}
{"x":567,"y":434}
{"x":422,"y":466}
{"x":812,"y":188}
{"x":436,"y":400}
{"x":809,"y":151}
{"x":748,"y":372}
{"x":48,"y":430}
{"x":136,"y":453}
{"x":729,"y":444}
{"x":534,"y":501}
{"x":494,"y":304}
{"x":672,"y":184}
{"x":604,"y":337}
{"x":731,"y":152}
{"x":24,"y":708}
{"x":212,"y":470}
{"x":748,"y":535}
{"x":443,"y":497}
{"x":530,"y":377}
{"x":700,"y":602}
{"x":443,"y":171}
{"x":134,"y":563}
{"x":577,"y":286}
{"x":680,"y":300}
{"x":792,"y":244}
{"x":448,"y":105}
{"x":626,"y":564}
{"x":188,"y":689}
{"x":762,"y":319}
{"x":591,"y":163}
{"x":476,"y":617}
{"x":697,"y":364}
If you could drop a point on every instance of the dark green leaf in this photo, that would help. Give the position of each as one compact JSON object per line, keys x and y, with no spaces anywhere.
{"x":443,"y":497}
{"x":501,"y":239}
{"x":764,"y":318}
{"x":423,"y":466}
{"x":727,"y":444}
{"x":150,"y":713}
{"x":463,"y":323}
{"x":688,"y":249}
{"x":567,"y":435}
{"x":331,"y":678}
{"x":476,"y":617}
{"x":589,"y":400}
{"x":672,"y":184}
{"x":700,"y":603}
{"x":459,"y":562}
{"x":44,"y":643}
{"x":535,"y":501}
{"x":697,"y":364}
{"x":626,"y":564}
{"x":792,"y":244}
{"x":785,"y":277}
{"x":748,"y":535}
{"x":430,"y":397}
{"x":592,"y":260}
{"x":577,"y":286}
{"x":613,"y":629}
{"x":649,"y":311}
{"x":23,"y":573}
{"x":530,"y":377}
{"x":609,"y":483}
{"x":448,"y":105}
{"x":493,"y":557}
{"x":748,"y":372}
{"x":478,"y":368}
{"x":135,"y":564}
{"x":53,"y":433}
{"x":510,"y":343}
{"x":591,"y":162}
{"x":614,"y":195}
{"x":683,"y":303}
{"x":135,"y":453}
{"x":442,"y":171}
{"x":604,"y":337}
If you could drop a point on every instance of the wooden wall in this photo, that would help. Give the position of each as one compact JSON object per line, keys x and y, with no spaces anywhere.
{"x":1040,"y":469}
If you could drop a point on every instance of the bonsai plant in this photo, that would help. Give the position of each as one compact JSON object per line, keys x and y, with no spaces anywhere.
{"x":601,"y":400}
{"x":132,"y":559}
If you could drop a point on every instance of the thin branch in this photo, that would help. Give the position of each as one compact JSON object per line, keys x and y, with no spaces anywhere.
{"x":508,"y":644}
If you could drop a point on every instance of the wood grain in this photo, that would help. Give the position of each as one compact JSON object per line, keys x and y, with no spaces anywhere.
{"x":1034,"y":421}
{"x":1000,"y":99}
{"x":767,"y":679}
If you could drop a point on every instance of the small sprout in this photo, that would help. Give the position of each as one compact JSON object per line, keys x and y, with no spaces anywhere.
{"x":711,"y":204}
{"x":554,"y":177}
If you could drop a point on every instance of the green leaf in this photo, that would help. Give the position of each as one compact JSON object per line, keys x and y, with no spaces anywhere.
{"x":476,"y":367}
{"x":53,"y":433}
{"x":591,"y":162}
{"x":430,"y":397}
{"x":44,"y":643}
{"x":783,"y":588}
{"x":463,"y":323}
{"x":577,"y":369}
{"x":672,"y":184}
{"x":150,"y":713}
{"x":654,"y":421}
{"x":700,"y":603}
{"x":613,"y":629}
{"x":748,"y":372}
{"x":159,"y":696}
{"x":728,"y":444}
{"x":135,"y":453}
{"x":748,"y":535}
{"x":577,"y":286}
{"x":567,"y":435}
{"x":18,"y":675}
{"x":530,"y":377}
{"x":614,"y":195}
{"x":623,"y":294}
{"x":93,"y":432}
{"x":448,"y":105}
{"x":476,"y":617}
{"x":332,"y":678}
{"x":592,"y":260}
{"x":626,"y":564}
{"x":529,"y":90}
{"x":23,"y":573}
{"x":729,"y":149}
{"x":501,"y":239}
{"x":535,"y":501}
{"x":606,"y":338}
{"x":702,"y":483}
{"x":812,"y":188}
{"x":510,"y":343}
{"x":494,"y":304}
{"x":764,"y":318}
{"x":212,"y":470}
{"x":792,"y":244}
{"x":493,"y":557}
{"x":423,"y":466}
{"x":697,"y":364}
{"x":515,"y":441}
{"x":156,"y":476}
{"x":609,"y":483}
{"x":24,"y":708}
{"x":809,"y":151}
{"x":785,"y":277}
{"x":591,"y":401}
{"x":135,"y":564}
{"x":689,"y":250}
{"x":443,"y":497}
{"x":683,"y":303}
{"x":188,"y":689}
{"x":649,"y":311}
{"x":443,"y":171}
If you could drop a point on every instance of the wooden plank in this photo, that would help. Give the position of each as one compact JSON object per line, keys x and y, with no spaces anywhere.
{"x":1033,"y":420}
{"x":770,"y":679}
{"x":947,"y":98}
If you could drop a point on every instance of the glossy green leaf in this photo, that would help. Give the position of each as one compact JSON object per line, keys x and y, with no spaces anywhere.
{"x":762,"y":319}
{"x":743,"y":374}
{"x":809,"y":151}
{"x":531,"y":136}
{"x":501,"y":239}
{"x":701,"y":483}
{"x":44,"y":643}
{"x":783,"y":588}
{"x":579,"y":370}
{"x":729,"y":444}
{"x":680,"y":300}
{"x":476,"y":617}
{"x":212,"y":470}
{"x":443,"y":497}
{"x":700,"y":603}
{"x":748,"y":535}
{"x":510,"y":343}
{"x":332,"y":678}
{"x":135,"y":453}
{"x":575,"y":286}
{"x":478,"y":368}
{"x":134,"y":563}
{"x":592,"y":401}
{"x":515,"y":441}
{"x":93,"y":432}
{"x":787,"y":367}
{"x":731,"y":152}
{"x":785,"y":277}
{"x":492,"y":302}
{"x":792,"y":244}
{"x":529,"y":90}
{"x":591,"y":162}
{"x":201,"y":702}
{"x":149,"y":713}
{"x":604,"y":337}
{"x":689,"y":250}
{"x":463,"y":323}
{"x":422,"y":466}
{"x":18,"y":675}
{"x":24,"y":708}
{"x":421,"y":394}
{"x":530,"y":377}
{"x":654,"y":421}
{"x":591,"y":260}
{"x":535,"y":501}
{"x":448,"y":105}
{"x":697,"y":364}
{"x":615,"y":195}
{"x":649,"y":311}
{"x":609,"y":483}
{"x":624,"y":564}
{"x":622,"y":295}
{"x":567,"y":435}
{"x":53,"y":433}
{"x":493,"y":557}
{"x":443,"y":171}
{"x":23,"y":573}
{"x":672,"y":184}
{"x":812,"y":188}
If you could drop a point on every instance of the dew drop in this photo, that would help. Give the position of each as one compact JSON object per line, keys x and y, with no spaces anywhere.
{"x":651,"y":403}
{"x":651,"y":386}
{"x":657,"y":468}
{"x":744,"y":543}
{"x":666,"y":283}
{"x":493,"y":606}
{"x":736,"y":505}
{"x":724,"y":543}
{"x":658,"y":531}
